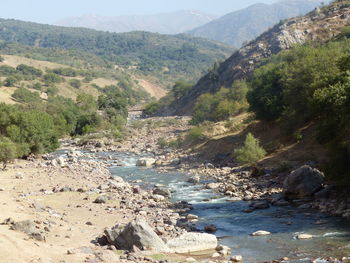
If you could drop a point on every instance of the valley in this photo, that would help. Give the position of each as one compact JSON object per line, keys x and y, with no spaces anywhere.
{"x":147,"y":147}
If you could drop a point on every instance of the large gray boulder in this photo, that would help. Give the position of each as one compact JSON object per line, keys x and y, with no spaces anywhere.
{"x":303,"y":182}
{"x":192,"y":242}
{"x":138,"y":233}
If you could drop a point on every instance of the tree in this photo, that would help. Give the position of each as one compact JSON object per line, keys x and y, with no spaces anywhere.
{"x":251,"y":152}
{"x":7,"y":151}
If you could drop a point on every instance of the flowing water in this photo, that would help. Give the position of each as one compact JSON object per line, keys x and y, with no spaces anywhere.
{"x":332,"y":238}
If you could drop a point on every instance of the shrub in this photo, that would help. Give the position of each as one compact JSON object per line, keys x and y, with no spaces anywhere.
{"x":75,"y":83}
{"x":152,"y":108}
{"x":10,"y":81}
{"x":7,"y":151}
{"x":195,"y":135}
{"x":251,"y":152}
{"x":52,"y":78}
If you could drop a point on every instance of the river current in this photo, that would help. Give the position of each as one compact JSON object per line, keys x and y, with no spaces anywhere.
{"x":331,"y":235}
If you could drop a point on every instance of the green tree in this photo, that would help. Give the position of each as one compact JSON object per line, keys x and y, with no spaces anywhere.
{"x":251,"y":152}
{"x":7,"y":151}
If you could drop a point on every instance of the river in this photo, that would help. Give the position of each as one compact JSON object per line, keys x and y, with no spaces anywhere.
{"x":331,"y":234}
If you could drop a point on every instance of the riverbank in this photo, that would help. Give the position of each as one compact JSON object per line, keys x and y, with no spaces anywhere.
{"x":65,"y":207}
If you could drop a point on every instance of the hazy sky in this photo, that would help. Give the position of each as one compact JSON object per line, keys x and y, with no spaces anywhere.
{"x":49,"y":11}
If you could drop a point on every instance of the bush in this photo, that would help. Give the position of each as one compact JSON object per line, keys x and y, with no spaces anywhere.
{"x":10,"y":81}
{"x":151,"y":108}
{"x":8,"y":151}
{"x":251,"y":152}
{"x":221,"y":105}
{"x":51,"y":78}
{"x":195,"y":135}
{"x":75,"y":83}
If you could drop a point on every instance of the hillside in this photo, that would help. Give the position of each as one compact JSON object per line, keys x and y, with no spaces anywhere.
{"x":165,"y":23}
{"x":244,"y":25}
{"x":319,"y":25}
{"x":164,"y":56}
{"x":89,"y":81}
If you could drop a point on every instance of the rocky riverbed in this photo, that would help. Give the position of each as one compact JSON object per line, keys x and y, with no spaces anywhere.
{"x":67,"y":206}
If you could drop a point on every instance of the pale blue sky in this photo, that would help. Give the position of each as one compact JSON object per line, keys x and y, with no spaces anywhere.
{"x":49,"y":11}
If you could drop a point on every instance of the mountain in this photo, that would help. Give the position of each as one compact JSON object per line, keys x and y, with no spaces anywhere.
{"x":165,"y":23}
{"x":319,"y":25}
{"x":244,"y":25}
{"x":167,"y":57}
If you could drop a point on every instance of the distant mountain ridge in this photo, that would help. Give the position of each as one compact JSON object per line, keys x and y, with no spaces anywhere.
{"x":244,"y":25}
{"x":167,"y":57}
{"x":164,"y":23}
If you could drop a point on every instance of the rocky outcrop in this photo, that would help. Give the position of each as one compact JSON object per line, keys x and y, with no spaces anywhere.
{"x":319,"y":25}
{"x":192,"y":242}
{"x":303,"y":182}
{"x":138,"y":233}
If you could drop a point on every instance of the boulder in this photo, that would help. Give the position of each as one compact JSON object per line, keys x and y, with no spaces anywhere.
{"x":304,"y":236}
{"x":162,"y":191}
{"x":28,"y":227}
{"x":194,"y":180}
{"x":113,"y":233}
{"x":102,"y":199}
{"x":146,"y":162}
{"x":138,"y":233}
{"x":261,"y":233}
{"x":192,"y":242}
{"x":303,"y":182}
{"x":260,"y":204}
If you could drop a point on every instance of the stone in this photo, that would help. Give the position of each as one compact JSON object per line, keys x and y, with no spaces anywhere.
{"x":158,"y":198}
{"x":138,"y":233}
{"x":210,"y":229}
{"x":102,"y":199}
{"x":260,"y":205}
{"x":236,"y":258}
{"x":303,"y":182}
{"x":261,"y":233}
{"x":191,"y":217}
{"x":304,"y":236}
{"x":162,"y":191}
{"x":213,"y":185}
{"x":192,"y":242}
{"x":194,"y":179}
{"x":146,"y":162}
{"x":28,"y":227}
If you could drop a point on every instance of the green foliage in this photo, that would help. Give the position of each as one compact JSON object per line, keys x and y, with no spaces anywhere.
{"x":31,"y":130}
{"x":221,"y":105}
{"x":152,"y":108}
{"x":66,"y":72}
{"x":29,"y":71}
{"x":51,"y":78}
{"x":8,"y":151}
{"x":10,"y":81}
{"x":37,"y":86}
{"x":160,"y":55}
{"x":25,"y":96}
{"x":195,"y":135}
{"x":251,"y":152}
{"x":309,"y":83}
{"x":75,"y":83}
